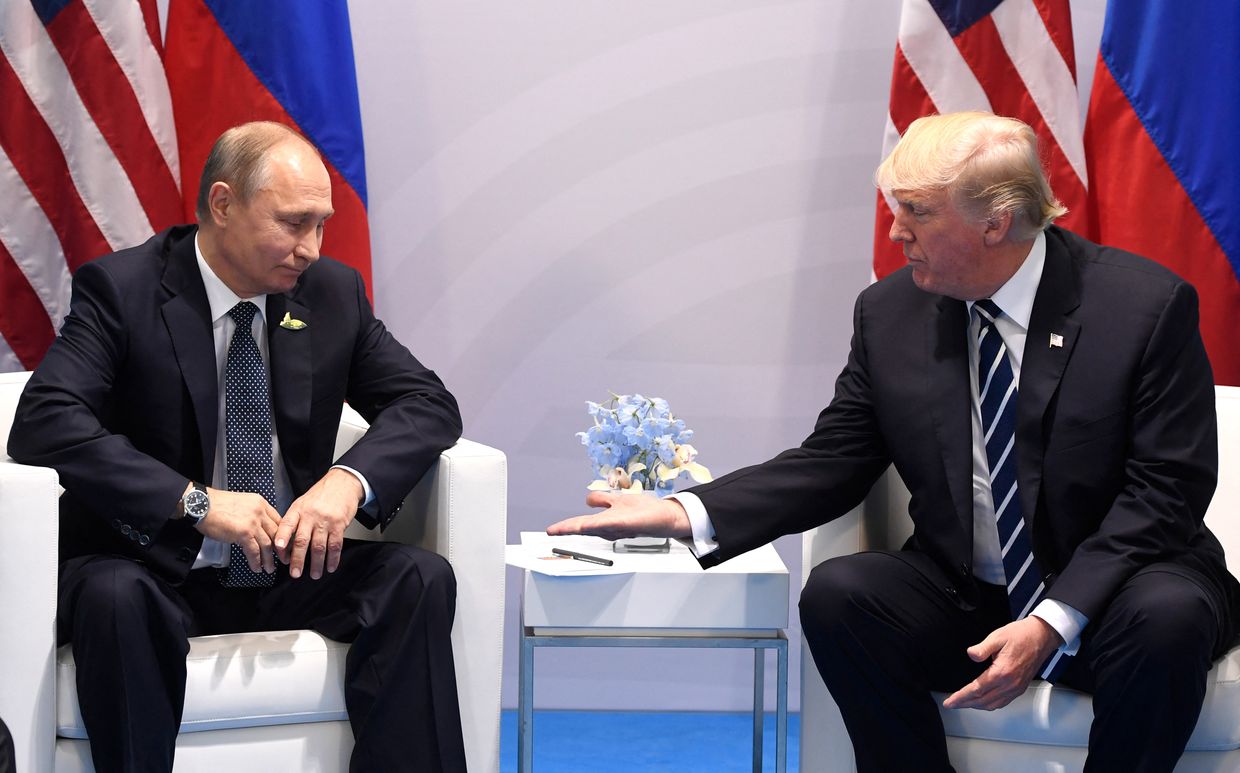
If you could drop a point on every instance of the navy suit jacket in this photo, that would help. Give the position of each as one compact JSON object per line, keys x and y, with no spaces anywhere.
{"x":1116,"y":432}
{"x":125,"y":405}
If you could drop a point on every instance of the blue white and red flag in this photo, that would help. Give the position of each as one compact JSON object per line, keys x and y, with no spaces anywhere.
{"x":289,"y":61}
{"x":1160,"y":138}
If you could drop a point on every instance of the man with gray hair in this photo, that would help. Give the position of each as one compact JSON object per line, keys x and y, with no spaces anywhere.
{"x":190,"y":406}
{"x":1049,"y":404}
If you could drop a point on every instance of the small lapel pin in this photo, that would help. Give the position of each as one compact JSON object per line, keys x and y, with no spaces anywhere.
{"x":1056,"y":340}
{"x":288,"y":323}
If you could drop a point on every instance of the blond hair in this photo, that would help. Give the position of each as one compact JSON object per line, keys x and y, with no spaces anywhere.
{"x":239,"y":158}
{"x":988,"y":163}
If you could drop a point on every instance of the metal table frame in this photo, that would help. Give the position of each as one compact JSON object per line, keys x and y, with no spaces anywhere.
{"x":776,"y":640}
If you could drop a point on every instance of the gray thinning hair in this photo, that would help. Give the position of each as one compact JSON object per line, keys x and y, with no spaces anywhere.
{"x":239,"y":158}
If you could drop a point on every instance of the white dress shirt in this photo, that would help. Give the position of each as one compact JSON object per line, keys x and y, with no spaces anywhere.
{"x":221,"y":299}
{"x":1015,"y":298}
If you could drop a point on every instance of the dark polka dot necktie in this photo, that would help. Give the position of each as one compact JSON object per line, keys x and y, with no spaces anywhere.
{"x":996,"y":385}
{"x":247,"y":421}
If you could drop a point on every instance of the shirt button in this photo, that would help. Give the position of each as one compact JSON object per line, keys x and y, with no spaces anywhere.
{"x":144,"y":540}
{"x":126,"y":529}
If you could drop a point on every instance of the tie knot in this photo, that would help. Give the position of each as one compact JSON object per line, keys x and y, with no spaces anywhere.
{"x":987,"y":310}
{"x":243,"y":313}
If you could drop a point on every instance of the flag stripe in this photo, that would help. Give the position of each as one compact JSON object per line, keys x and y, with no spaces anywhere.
{"x":1046,"y":76}
{"x":121,"y":25}
{"x":101,"y":182}
{"x":84,"y":160}
{"x":37,"y":157}
{"x":108,"y":96}
{"x":26,"y":329}
{"x":32,"y":243}
{"x":909,"y":100}
{"x":933,"y":57}
{"x":1057,"y":18}
{"x":982,"y":47}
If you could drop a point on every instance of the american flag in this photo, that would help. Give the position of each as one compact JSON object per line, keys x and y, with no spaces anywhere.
{"x":88,"y":153}
{"x":1010,"y":57}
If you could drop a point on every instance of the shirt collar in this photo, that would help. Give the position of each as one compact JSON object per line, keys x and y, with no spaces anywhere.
{"x":220,"y":298}
{"x":1016,"y":295}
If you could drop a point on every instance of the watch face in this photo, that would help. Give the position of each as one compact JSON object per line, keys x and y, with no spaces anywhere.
{"x":196,"y":505}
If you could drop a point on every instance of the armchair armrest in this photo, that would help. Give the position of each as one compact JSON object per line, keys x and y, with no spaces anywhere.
{"x":459,"y":510}
{"x":28,"y":568}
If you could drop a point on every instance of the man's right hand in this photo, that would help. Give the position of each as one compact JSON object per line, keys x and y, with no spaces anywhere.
{"x":246,"y":519}
{"x":627,"y":515}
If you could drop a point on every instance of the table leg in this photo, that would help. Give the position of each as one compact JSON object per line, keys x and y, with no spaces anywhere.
{"x":759,"y":695}
{"x":781,"y":709}
{"x":525,"y":706}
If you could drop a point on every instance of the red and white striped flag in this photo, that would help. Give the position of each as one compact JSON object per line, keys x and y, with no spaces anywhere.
{"x":1009,"y":57}
{"x":88,"y":155}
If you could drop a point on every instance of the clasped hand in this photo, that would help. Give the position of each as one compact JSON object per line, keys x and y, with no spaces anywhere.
{"x":313,"y":526}
{"x":1016,"y":651}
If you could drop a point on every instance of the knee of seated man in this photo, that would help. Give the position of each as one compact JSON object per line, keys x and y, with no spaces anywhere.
{"x":1165,"y":615}
{"x":423,"y":567}
{"x":115,"y":590}
{"x":833,"y":589}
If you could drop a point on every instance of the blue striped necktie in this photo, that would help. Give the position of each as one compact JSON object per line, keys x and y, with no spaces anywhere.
{"x":247,"y":445}
{"x":997,"y":389}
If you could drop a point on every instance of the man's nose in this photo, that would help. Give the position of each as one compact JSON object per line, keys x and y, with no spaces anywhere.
{"x":308,"y":245}
{"x":898,"y":233}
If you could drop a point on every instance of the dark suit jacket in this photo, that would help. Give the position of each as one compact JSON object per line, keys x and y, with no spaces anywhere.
{"x":125,"y":405}
{"x":1116,"y":432}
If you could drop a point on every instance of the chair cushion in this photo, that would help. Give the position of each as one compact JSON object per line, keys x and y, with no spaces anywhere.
{"x":239,"y":680}
{"x":1059,"y":716}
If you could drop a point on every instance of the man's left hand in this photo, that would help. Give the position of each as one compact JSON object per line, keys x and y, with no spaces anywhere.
{"x":1016,"y":652}
{"x":315,"y":524}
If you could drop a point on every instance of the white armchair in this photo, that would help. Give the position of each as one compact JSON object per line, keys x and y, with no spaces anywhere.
{"x":1046,"y":730}
{"x":269,"y":701}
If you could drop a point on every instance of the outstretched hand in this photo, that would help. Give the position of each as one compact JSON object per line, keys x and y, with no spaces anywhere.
{"x":627,"y":515}
{"x":1015,"y":652}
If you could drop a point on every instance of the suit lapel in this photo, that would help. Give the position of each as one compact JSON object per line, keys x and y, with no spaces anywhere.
{"x":1048,"y":346}
{"x":187,"y":316}
{"x":950,"y":402}
{"x":291,"y":382}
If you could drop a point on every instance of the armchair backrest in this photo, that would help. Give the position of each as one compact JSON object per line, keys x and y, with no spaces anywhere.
{"x":1223,"y":516}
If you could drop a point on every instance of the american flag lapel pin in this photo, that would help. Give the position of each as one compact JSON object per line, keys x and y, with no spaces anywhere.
{"x":1056,"y":341}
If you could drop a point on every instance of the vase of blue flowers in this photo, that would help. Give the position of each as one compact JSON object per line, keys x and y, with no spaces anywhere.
{"x":637,"y":446}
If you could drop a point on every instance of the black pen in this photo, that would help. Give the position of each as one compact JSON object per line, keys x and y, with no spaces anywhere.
{"x":583,"y":557}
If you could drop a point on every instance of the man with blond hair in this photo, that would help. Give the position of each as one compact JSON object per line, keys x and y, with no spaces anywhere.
{"x":1049,"y":404}
{"x":190,"y":406}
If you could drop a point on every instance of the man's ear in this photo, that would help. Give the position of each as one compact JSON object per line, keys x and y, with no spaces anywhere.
{"x":997,"y":228}
{"x":220,"y":203}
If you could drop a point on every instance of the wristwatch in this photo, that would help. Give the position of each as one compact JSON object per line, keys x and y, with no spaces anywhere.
{"x":195,"y":504}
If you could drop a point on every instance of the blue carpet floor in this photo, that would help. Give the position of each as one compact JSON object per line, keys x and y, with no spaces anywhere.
{"x":645,"y":741}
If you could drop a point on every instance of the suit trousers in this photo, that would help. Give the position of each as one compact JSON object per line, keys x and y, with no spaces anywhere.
{"x":129,"y":630}
{"x":884,"y":635}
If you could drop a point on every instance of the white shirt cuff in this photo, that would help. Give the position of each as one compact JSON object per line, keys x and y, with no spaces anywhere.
{"x":1066,"y":621}
{"x":703,"y":531}
{"x":370,"y":495}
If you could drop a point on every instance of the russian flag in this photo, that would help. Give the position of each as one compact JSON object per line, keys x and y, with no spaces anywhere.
{"x":1163,"y":163}
{"x":290,"y":61}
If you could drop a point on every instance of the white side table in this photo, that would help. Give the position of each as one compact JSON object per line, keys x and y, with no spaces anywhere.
{"x":662,"y":600}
